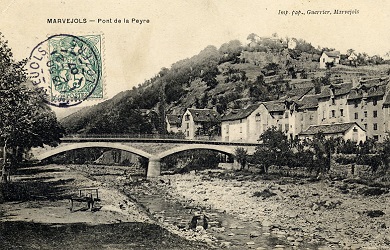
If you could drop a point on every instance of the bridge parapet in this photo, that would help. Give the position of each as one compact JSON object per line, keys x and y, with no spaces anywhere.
{"x":152,"y":149}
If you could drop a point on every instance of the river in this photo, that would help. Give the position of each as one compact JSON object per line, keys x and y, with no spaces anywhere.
{"x":223,"y":230}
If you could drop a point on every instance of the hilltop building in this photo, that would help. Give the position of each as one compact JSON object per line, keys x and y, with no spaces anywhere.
{"x":329,"y":57}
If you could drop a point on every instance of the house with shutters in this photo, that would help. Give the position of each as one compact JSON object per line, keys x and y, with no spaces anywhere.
{"x":302,"y":114}
{"x":198,"y":123}
{"x":242,"y":125}
{"x":348,"y":131}
{"x":173,"y":123}
{"x":333,"y":105}
{"x":246,"y":125}
{"x":367,"y":106}
{"x":329,"y":57}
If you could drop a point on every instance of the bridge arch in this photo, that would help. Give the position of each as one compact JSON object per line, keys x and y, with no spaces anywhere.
{"x":219,"y":148}
{"x":79,"y":145}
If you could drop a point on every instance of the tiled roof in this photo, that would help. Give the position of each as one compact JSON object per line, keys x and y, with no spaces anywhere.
{"x":308,"y":102}
{"x":387,"y":100}
{"x":364,"y":91}
{"x":174,"y":119}
{"x":332,"y":53}
{"x":240,"y":113}
{"x":297,"y":93}
{"x":329,"y":128}
{"x":339,"y":89}
{"x":204,"y":115}
{"x":274,"y":106}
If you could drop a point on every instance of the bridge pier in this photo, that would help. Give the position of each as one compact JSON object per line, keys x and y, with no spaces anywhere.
{"x":154,"y":168}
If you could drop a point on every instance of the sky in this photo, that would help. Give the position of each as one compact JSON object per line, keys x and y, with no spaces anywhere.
{"x":179,"y":29}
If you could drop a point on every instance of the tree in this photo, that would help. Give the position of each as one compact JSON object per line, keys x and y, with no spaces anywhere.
{"x":209,"y":76}
{"x":25,"y":120}
{"x":323,"y":150}
{"x":384,"y":153}
{"x":241,"y":157}
{"x":274,"y":150}
{"x":252,"y":37}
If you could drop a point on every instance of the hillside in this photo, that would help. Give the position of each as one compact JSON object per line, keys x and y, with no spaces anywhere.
{"x":232,"y":76}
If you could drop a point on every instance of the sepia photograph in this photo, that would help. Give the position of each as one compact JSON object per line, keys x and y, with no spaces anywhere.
{"x":183,"y":124}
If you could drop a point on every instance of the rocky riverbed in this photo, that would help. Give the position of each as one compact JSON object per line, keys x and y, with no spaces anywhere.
{"x":295,"y":213}
{"x":332,"y":214}
{"x":35,"y":214}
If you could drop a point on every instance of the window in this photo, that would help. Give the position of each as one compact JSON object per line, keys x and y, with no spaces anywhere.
{"x":376,"y":137}
{"x":365,"y":126}
{"x":374,"y":102}
{"x":365,"y":113}
{"x":258,"y":117}
{"x":188,"y":125}
{"x":286,"y":114}
{"x":375,"y":126}
{"x":341,"y":112}
{"x":356,"y":116}
{"x":333,"y":113}
{"x":375,"y":113}
{"x":187,"y":118}
{"x":356,"y":104}
{"x":333,"y":101}
{"x":240,"y":129}
{"x":286,"y":127}
{"x":280,"y":127}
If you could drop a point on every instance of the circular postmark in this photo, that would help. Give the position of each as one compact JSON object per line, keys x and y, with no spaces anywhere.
{"x":67,"y":68}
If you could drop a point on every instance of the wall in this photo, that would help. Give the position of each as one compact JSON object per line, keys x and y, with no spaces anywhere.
{"x":360,"y":135}
{"x":188,"y":126}
{"x":367,"y":120}
{"x":305,"y":118}
{"x":338,"y":104}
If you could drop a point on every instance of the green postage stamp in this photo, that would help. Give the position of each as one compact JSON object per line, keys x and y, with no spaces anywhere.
{"x":68,"y":69}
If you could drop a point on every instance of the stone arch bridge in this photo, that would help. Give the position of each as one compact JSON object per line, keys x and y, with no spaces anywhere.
{"x":152,"y":149}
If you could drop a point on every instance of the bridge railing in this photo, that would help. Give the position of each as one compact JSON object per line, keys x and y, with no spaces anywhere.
{"x":143,"y":136}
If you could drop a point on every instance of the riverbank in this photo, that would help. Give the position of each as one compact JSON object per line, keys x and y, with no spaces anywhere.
{"x":298,"y":213}
{"x":330,"y":214}
{"x":245,"y":211}
{"x":35,"y":214}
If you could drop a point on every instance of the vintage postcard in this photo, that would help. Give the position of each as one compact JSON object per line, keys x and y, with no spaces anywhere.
{"x":190,"y":124}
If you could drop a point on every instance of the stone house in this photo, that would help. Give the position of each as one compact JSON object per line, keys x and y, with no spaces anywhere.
{"x":367,"y":107}
{"x":303,"y":113}
{"x":329,"y":57}
{"x":200,"y":122}
{"x":242,"y":125}
{"x":348,"y":131}
{"x":333,"y":105}
{"x":173,"y":123}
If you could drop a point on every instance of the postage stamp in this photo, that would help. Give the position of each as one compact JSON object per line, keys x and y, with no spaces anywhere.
{"x":68,"y":69}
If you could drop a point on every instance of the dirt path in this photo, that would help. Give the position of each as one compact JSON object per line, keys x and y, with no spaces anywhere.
{"x":36,"y":215}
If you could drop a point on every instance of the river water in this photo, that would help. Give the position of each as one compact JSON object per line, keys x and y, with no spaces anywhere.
{"x":223,"y":229}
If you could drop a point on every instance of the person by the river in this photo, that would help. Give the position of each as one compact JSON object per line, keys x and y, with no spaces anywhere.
{"x":199,"y":221}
